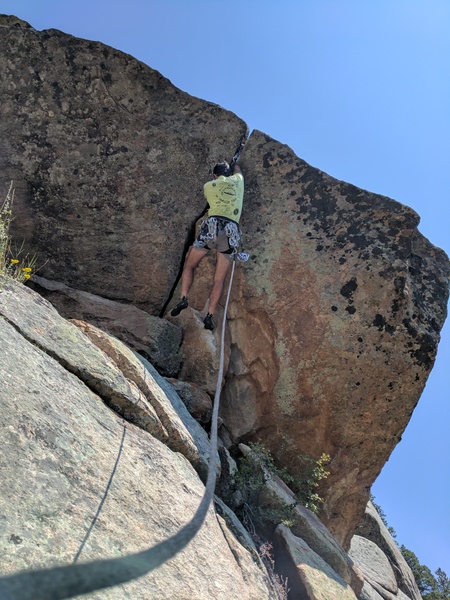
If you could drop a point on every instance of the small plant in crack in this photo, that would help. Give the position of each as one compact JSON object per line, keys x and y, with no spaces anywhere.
{"x":14,"y":262}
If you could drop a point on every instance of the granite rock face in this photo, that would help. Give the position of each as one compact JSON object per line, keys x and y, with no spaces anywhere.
{"x":201,"y":349}
{"x":66,"y":454}
{"x":108,"y":368}
{"x":108,"y":160}
{"x":375,"y":567}
{"x":197,"y":401}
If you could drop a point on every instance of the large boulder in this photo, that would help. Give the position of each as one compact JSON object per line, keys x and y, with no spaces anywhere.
{"x":375,"y":567}
{"x":335,"y":323}
{"x":335,"y":319}
{"x":317,"y":580}
{"x":108,"y":160}
{"x":373,"y":528}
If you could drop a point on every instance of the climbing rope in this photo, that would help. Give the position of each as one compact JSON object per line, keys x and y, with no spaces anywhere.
{"x":72,"y":580}
{"x":238,"y":151}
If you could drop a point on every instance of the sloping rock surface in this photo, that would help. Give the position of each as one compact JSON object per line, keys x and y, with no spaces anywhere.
{"x":155,"y":338}
{"x":183,"y":431}
{"x":368,"y":593}
{"x":64,"y":452}
{"x":375,"y":567}
{"x":141,"y":400}
{"x":318,"y":578}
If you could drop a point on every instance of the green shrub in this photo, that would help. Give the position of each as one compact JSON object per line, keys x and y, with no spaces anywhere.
{"x":258,"y":466}
{"x":313,"y":472}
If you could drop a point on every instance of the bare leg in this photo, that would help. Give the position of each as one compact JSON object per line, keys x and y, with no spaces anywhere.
{"x":222,"y":266}
{"x":193,"y":258}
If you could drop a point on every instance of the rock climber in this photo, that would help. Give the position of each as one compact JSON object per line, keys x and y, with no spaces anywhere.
{"x":218,"y":232}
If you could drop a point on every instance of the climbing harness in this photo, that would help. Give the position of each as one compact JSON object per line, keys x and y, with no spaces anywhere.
{"x":210,"y":228}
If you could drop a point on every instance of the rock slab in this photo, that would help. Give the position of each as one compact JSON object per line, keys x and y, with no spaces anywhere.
{"x":148,"y":405}
{"x":156,"y":339}
{"x":373,"y":528}
{"x":375,"y":567}
{"x":318,"y":578}
{"x":64,"y":452}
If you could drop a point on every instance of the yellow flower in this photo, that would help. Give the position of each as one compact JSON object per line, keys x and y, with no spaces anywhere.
{"x":26,"y":270}
{"x":14,"y":261}
{"x":27,"y":276}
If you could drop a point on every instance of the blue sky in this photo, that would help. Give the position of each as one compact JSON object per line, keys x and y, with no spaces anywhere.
{"x":359,"y":89}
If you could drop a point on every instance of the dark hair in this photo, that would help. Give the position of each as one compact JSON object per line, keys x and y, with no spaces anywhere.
{"x":222,"y":168}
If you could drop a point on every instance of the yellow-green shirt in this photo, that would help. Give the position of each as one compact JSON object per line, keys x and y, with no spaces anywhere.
{"x":225,"y":196}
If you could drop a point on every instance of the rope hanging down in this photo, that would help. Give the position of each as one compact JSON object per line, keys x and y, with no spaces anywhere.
{"x":59,"y":583}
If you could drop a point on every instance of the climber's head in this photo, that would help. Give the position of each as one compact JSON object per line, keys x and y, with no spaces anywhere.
{"x":222,"y":168}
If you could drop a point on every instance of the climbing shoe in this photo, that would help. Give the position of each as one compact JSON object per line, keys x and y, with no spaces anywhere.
{"x":182,"y":304}
{"x":208,"y":322}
